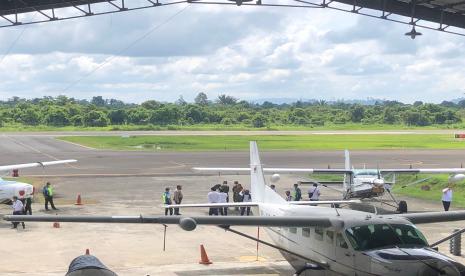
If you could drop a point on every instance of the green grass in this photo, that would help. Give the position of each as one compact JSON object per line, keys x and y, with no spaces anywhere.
{"x":270,"y":142}
{"x":436,"y":184}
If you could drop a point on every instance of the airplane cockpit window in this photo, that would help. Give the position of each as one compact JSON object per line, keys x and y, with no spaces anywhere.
{"x":368,"y":237}
{"x":366,"y":172}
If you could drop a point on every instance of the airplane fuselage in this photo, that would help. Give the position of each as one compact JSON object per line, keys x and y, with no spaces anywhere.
{"x":8,"y":189}
{"x":380,"y":247}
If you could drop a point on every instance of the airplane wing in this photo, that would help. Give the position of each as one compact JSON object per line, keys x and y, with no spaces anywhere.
{"x":431,"y":217}
{"x":274,"y":170}
{"x":186,"y":223}
{"x":324,"y":202}
{"x":36,"y":164}
{"x":212,"y":205}
{"x":428,"y":171}
{"x":253,"y":204}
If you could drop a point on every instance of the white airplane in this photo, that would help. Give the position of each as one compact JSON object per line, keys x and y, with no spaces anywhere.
{"x":321,"y":239}
{"x":8,"y":189}
{"x":357,"y":183}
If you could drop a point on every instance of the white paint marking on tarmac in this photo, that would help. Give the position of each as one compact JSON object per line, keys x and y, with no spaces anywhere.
{"x":75,"y":144}
{"x":38,"y":151}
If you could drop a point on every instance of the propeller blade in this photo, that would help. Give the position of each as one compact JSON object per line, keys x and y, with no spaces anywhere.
{"x":416,"y":182}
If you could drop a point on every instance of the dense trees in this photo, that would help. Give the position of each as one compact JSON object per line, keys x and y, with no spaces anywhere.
{"x":225,"y":110}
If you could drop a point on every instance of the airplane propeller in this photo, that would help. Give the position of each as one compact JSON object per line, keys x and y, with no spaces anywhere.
{"x":416,"y":182}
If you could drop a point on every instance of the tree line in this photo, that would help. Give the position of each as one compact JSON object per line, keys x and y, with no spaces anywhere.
{"x":224,"y":110}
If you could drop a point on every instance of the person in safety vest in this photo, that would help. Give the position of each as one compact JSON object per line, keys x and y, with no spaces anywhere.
{"x":48,"y":193}
{"x":166,"y":199}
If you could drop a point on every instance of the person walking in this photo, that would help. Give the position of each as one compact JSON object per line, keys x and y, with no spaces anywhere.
{"x":177,"y":197}
{"x":213,"y":197}
{"x":447,"y":197}
{"x":18,"y":209}
{"x":288,"y":196}
{"x":297,"y":193}
{"x":314,"y":193}
{"x":48,"y":193}
{"x":166,"y":198}
{"x":246,"y":197}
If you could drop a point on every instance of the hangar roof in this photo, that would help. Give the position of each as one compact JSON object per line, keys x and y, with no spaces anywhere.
{"x":444,"y":13}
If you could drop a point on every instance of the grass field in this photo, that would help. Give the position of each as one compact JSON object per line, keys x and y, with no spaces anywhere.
{"x":268,"y":142}
{"x":436,"y":183}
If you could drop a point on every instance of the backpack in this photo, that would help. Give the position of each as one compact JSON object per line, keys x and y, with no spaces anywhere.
{"x":45,"y":191}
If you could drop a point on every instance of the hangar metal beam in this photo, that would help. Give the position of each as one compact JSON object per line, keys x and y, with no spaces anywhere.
{"x":444,"y":14}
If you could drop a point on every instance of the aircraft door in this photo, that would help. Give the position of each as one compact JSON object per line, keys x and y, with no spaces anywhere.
{"x":345,"y":256}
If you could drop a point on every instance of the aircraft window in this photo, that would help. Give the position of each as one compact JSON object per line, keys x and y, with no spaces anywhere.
{"x":340,"y":241}
{"x":293,"y":230}
{"x":329,"y":236}
{"x":306,"y":232}
{"x":319,"y":233}
{"x":374,"y":236}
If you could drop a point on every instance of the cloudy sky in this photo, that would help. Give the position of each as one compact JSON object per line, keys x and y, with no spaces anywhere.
{"x":248,"y":52}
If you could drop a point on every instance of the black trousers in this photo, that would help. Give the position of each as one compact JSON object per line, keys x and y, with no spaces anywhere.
{"x":176,"y":210}
{"x":47,"y":200}
{"x":15,"y":223}
{"x":446,"y":205}
{"x":243,"y":210}
{"x":28,"y":207}
{"x":213,"y":212}
{"x":168,"y":210}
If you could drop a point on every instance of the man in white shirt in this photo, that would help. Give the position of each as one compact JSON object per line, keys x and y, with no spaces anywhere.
{"x":314,"y":193}
{"x":222,"y":198}
{"x":17,"y":210}
{"x":213,"y":197}
{"x":447,"y":197}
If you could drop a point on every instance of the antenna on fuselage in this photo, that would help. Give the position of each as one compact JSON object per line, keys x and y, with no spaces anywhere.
{"x":335,"y":209}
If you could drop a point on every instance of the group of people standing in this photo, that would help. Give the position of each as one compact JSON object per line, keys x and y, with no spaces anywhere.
{"x":177,"y":198}
{"x":296,"y":194}
{"x":23,"y":206}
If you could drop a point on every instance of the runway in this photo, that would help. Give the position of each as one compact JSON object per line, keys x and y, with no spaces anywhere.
{"x":23,"y":149}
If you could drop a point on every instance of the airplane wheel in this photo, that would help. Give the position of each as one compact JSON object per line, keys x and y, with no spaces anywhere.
{"x":402,"y":207}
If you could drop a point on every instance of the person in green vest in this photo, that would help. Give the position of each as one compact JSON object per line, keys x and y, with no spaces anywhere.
{"x":297,"y":193}
{"x":166,"y":198}
{"x":48,"y":193}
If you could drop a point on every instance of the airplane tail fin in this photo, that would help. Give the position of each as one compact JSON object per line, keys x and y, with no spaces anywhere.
{"x":347,"y":159}
{"x":261,"y":193}
{"x":257,"y":179}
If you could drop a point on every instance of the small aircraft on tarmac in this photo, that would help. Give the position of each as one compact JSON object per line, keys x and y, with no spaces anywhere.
{"x":323,"y":240}
{"x":358,"y":183}
{"x":8,"y":189}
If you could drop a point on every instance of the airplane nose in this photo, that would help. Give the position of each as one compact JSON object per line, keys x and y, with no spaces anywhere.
{"x":418,"y":261}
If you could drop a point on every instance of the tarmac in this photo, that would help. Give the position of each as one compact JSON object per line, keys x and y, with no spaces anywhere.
{"x":131,"y":183}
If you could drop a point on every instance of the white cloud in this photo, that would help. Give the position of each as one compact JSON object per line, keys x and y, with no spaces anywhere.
{"x":245,"y":52}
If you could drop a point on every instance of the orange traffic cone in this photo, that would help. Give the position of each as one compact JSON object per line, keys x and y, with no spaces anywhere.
{"x":78,"y":200}
{"x":87,"y":251}
{"x":203,"y":256}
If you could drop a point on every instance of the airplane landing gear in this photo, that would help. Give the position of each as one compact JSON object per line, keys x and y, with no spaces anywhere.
{"x":402,"y":208}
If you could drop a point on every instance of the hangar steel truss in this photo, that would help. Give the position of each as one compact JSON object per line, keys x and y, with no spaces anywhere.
{"x":441,"y":15}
